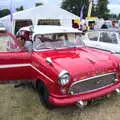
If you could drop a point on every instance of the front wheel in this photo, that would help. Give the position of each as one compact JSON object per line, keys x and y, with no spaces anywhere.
{"x":44,"y":95}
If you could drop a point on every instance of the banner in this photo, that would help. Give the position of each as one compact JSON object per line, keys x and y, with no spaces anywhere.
{"x":81,"y":12}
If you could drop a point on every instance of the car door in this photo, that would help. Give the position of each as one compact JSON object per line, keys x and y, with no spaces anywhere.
{"x":108,"y":41}
{"x":92,"y":39}
{"x":14,"y":61}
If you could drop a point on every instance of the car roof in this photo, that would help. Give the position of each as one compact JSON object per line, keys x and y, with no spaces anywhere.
{"x":50,"y":29}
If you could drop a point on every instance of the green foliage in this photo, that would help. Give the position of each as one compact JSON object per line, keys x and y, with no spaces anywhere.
{"x":99,"y":9}
{"x":118,"y":17}
{"x":74,"y":6}
{"x":20,"y":8}
{"x":4,"y":12}
{"x":93,"y":12}
{"x":38,"y":4}
{"x":102,"y":10}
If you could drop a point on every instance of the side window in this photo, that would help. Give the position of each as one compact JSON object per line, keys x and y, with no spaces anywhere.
{"x":3,"y":43}
{"x":93,"y":36}
{"x":108,"y":37}
{"x":8,"y":43}
{"x":114,"y":38}
{"x":104,"y":37}
{"x":49,"y":22}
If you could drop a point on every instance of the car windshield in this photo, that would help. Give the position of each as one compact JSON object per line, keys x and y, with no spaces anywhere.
{"x":56,"y":41}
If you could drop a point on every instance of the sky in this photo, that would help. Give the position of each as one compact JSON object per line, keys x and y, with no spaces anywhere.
{"x":114,"y":5}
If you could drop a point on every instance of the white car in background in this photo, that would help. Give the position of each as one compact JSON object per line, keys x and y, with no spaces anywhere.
{"x":2,"y":28}
{"x":108,"y":40}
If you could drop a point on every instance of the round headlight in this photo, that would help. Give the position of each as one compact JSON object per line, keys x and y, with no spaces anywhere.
{"x":64,"y":78}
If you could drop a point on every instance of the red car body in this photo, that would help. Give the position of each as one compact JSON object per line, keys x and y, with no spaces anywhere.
{"x":79,"y":71}
{"x":84,"y":65}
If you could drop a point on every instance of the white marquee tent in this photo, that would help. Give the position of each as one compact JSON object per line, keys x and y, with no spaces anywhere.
{"x":40,"y":13}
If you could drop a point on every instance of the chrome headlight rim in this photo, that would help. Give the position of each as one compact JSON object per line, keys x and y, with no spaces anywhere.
{"x":62,"y":81}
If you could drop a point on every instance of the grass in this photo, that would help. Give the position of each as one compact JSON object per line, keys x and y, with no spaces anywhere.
{"x":24,"y":104}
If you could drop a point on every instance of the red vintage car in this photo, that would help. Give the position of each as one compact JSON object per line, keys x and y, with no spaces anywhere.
{"x":63,"y":70}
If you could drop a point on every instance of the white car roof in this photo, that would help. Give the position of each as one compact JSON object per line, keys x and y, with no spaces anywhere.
{"x":49,"y":29}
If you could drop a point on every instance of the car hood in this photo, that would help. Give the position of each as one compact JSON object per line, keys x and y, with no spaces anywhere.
{"x":80,"y":62}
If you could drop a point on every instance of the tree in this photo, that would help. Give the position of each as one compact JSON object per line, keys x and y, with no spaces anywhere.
{"x":74,"y":6}
{"x":20,"y":8}
{"x":4,"y":12}
{"x":102,"y":10}
{"x":38,"y":4}
{"x":118,"y":17}
{"x":93,"y":12}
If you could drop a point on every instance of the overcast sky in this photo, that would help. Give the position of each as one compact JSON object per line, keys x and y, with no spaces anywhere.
{"x":114,"y":5}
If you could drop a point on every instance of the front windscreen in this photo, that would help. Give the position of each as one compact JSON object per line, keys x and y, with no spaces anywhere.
{"x":56,"y":41}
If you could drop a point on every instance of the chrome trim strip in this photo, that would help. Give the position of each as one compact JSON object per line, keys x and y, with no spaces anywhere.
{"x":62,"y":73}
{"x":24,"y":65}
{"x":93,"y":77}
{"x":41,"y":73}
{"x":13,"y":65}
{"x":56,"y":48}
{"x":89,"y":79}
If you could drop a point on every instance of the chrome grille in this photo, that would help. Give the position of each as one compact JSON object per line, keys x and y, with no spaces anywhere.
{"x":93,"y":83}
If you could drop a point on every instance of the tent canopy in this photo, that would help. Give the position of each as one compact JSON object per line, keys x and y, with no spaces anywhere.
{"x":46,"y":11}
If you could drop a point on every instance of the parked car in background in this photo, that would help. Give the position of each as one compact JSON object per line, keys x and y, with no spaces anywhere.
{"x":59,"y":65}
{"x":2,"y":28}
{"x":108,"y":40}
